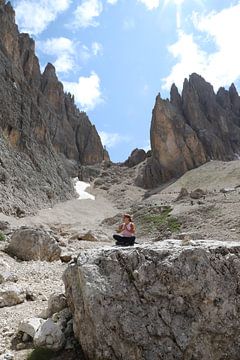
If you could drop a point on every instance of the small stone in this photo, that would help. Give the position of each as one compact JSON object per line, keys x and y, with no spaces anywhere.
{"x":56,"y":303}
{"x":20,"y":346}
{"x":65,"y":257}
{"x":197,"y":194}
{"x":26,"y":337}
{"x":49,"y":328}
{"x":8,"y":356}
{"x":30,"y":326}
{"x":11,"y":295}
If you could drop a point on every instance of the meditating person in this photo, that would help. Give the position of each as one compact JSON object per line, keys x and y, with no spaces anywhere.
{"x":126,"y":232}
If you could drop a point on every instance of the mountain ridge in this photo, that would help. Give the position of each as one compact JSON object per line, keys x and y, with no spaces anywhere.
{"x":40,"y":123}
{"x":190,"y":129}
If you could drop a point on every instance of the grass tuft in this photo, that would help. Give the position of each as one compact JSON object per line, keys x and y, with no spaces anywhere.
{"x":2,"y":236}
{"x":162,"y":220}
{"x":41,"y":354}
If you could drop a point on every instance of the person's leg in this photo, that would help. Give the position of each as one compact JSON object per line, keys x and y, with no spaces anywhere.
{"x":129,"y":241}
{"x":119,"y":239}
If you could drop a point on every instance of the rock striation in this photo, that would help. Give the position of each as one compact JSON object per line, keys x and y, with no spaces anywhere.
{"x":191,"y":129}
{"x":43,"y":135}
{"x":163,"y":301}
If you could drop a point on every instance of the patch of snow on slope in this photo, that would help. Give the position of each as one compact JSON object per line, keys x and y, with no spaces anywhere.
{"x":80,"y":187}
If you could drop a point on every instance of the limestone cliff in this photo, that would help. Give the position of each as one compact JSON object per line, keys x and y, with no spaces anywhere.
{"x":43,"y":135}
{"x":191,"y":129}
{"x":163,"y":301}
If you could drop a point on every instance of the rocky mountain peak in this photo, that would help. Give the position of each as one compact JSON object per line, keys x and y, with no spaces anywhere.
{"x":175,"y":97}
{"x":191,"y":129}
{"x":38,"y":121}
{"x":50,"y":72}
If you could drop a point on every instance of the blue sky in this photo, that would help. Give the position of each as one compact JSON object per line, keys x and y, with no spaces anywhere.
{"x":116,"y":55}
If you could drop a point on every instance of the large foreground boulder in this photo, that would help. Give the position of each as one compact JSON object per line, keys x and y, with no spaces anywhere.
{"x":163,"y":301}
{"x":34,"y":244}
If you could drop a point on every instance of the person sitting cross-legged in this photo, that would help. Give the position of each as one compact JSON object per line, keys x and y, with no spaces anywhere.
{"x":126,"y":232}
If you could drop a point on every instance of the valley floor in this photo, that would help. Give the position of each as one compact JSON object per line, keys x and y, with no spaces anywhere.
{"x":214,"y":216}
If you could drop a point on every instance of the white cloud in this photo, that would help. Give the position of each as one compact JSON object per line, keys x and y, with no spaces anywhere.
{"x":112,"y":139}
{"x":64,"y":51}
{"x":220,"y":67}
{"x":150,"y":4}
{"x":86,"y":91}
{"x":190,"y":59}
{"x":86,"y":13}
{"x":97,"y":48}
{"x":147,"y":147}
{"x":68,"y":54}
{"x":34,"y":16}
{"x":112,"y":2}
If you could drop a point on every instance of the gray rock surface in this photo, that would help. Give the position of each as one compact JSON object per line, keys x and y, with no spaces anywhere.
{"x":49,"y":335}
{"x":137,"y":156}
{"x":56,"y":303}
{"x":30,"y":326}
{"x":33,"y":244}
{"x":11,"y":295}
{"x":191,"y":129}
{"x":163,"y":301}
{"x":43,"y":136}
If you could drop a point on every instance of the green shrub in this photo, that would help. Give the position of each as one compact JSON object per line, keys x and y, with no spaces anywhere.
{"x":41,"y":354}
{"x":161,"y":221}
{"x":2,"y":236}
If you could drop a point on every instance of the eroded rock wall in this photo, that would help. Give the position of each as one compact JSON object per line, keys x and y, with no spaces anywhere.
{"x":163,"y":301}
{"x":41,"y":129}
{"x":191,"y":129}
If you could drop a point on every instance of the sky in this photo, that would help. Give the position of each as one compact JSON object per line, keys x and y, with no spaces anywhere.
{"x":115,"y":56}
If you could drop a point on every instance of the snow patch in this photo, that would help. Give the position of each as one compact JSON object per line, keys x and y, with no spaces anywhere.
{"x":80,"y":187}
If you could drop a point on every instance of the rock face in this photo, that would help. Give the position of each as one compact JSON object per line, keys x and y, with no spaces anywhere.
{"x":136,"y":157}
{"x":43,"y":135}
{"x":191,"y":129}
{"x":33,"y":244}
{"x":162,"y":301}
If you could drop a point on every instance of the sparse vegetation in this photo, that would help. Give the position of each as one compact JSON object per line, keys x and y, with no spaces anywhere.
{"x":41,"y":354}
{"x":161,"y":221}
{"x":2,"y":236}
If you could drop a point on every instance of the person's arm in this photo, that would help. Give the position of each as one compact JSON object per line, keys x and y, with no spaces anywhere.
{"x":133,"y":228}
{"x":120,"y":228}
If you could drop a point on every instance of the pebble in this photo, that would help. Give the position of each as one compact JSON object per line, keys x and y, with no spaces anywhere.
{"x":8,"y":356}
{"x":21,"y":346}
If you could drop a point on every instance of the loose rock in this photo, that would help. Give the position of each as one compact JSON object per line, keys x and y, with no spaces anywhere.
{"x":11,"y":295}
{"x":50,"y":336}
{"x":34,"y":244}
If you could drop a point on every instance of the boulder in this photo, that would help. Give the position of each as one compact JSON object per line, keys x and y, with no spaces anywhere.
{"x":4,"y":225}
{"x":7,"y":276}
{"x":197,"y":194}
{"x":11,"y":295}
{"x":56,"y":303}
{"x":182,"y":194}
{"x":49,"y":335}
{"x":30,"y":326}
{"x":137,"y":156}
{"x":161,"y":301}
{"x":90,"y":236}
{"x":33,"y":244}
